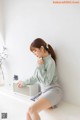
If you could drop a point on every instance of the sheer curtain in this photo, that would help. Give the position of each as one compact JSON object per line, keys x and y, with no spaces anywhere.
{"x":3,"y":55}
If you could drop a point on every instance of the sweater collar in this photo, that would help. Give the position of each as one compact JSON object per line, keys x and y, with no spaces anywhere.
{"x":47,"y":57}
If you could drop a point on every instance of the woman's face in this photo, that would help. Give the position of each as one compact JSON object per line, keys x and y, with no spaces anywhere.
{"x":38,"y":52}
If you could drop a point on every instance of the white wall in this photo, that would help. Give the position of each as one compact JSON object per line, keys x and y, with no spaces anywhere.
{"x":59,"y":25}
{"x":1,"y":17}
{"x":1,"y":26}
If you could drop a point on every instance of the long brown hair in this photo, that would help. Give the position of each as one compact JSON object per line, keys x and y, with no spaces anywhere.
{"x":37,"y":43}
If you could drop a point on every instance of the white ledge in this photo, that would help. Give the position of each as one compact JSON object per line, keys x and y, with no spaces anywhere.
{"x":15,"y":103}
{"x":14,"y":95}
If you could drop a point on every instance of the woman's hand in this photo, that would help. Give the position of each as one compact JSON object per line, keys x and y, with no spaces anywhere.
{"x":40,"y":61}
{"x":20,"y":84}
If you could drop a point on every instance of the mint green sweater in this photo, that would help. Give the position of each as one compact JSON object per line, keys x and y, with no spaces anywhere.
{"x":44,"y":74}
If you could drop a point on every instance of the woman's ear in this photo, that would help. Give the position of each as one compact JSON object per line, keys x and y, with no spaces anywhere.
{"x":42,"y":48}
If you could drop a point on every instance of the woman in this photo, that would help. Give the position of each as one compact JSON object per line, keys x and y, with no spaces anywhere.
{"x":46,"y":75}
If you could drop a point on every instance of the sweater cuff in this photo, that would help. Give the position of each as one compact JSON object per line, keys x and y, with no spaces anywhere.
{"x":24,"y":84}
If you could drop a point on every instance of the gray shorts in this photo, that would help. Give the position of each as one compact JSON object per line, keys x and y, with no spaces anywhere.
{"x":53,"y":95}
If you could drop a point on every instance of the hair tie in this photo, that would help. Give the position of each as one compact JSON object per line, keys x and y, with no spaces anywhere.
{"x":47,"y":46}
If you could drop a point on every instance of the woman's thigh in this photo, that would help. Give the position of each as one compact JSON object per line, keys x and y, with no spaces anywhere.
{"x":41,"y":104}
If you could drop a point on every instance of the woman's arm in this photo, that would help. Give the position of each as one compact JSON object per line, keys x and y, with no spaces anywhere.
{"x":28,"y":81}
{"x":47,"y":72}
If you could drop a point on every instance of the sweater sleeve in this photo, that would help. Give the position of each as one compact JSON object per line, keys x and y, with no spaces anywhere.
{"x":31,"y":80}
{"x":47,"y":72}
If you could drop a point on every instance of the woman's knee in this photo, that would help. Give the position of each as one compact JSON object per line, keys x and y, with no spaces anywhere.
{"x":31,"y":110}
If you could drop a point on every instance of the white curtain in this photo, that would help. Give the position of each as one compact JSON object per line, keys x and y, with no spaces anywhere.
{"x":1,"y":76}
{"x":1,"y":51}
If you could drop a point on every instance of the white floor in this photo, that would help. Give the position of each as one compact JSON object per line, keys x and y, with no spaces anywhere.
{"x":16,"y":106}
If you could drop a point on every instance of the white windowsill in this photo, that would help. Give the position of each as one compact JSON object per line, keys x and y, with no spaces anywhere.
{"x":14,"y":95}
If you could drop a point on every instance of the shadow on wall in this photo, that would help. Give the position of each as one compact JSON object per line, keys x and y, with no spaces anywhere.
{"x":68,"y":65}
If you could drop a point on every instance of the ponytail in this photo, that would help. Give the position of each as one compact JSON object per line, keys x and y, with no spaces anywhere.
{"x":51,"y":51}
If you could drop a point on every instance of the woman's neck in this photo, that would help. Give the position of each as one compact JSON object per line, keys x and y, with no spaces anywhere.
{"x":45,"y":54}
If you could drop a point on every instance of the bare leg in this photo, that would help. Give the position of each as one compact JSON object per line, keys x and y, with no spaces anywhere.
{"x":28,"y":116}
{"x":38,"y":106}
{"x":35,"y":116}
